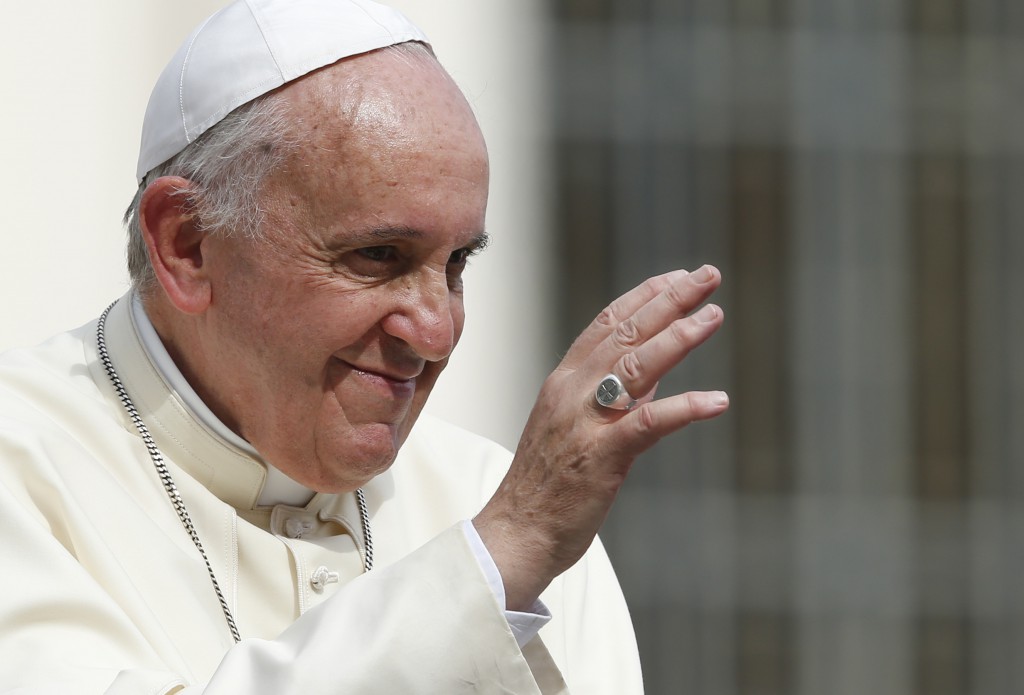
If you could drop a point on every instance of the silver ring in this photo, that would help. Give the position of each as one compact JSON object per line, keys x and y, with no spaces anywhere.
{"x":612,"y":394}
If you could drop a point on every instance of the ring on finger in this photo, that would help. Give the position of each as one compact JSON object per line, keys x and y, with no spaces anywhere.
{"x":612,"y":394}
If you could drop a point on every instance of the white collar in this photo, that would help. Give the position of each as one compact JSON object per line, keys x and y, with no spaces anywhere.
{"x":278,"y":488}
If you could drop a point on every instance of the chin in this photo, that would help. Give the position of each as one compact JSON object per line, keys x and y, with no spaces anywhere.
{"x":354,"y":465}
{"x":334,"y":482}
{"x":351,"y":457}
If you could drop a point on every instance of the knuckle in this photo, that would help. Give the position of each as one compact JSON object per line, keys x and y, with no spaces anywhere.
{"x":613,"y":314}
{"x":606,"y":319}
{"x":681,"y":331}
{"x":654,"y":285}
{"x":626,"y":334}
{"x":630,"y":367}
{"x":646,"y":421}
{"x":691,"y":409}
{"x":551,"y":384}
{"x":679,"y":297}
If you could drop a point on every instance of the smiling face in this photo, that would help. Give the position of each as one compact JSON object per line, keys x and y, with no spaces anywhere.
{"x":324,"y":338}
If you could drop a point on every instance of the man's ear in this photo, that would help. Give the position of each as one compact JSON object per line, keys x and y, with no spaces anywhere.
{"x":175,"y":243}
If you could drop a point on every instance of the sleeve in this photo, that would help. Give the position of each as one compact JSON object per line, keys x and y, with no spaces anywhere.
{"x":525,"y":626}
{"x":591,"y":637}
{"x":590,"y":634}
{"x":432,"y":638}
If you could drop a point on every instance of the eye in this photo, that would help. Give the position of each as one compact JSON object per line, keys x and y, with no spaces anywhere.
{"x":460,"y":257}
{"x":380,"y":254}
{"x":373,"y":261}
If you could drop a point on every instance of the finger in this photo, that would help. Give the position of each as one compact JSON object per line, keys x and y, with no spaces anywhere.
{"x":678,"y":299}
{"x":648,"y":424}
{"x":615,"y":313}
{"x":642,"y":368}
{"x":626,"y":403}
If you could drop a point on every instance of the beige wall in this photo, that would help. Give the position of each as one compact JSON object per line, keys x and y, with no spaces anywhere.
{"x":79,"y":74}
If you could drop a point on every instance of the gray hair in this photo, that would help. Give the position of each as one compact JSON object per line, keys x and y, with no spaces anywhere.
{"x":227,"y":167}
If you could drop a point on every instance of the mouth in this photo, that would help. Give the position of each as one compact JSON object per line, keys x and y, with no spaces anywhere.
{"x":396,"y":382}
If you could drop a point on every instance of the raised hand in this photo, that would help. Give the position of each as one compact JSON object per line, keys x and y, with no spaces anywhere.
{"x":575,"y":454}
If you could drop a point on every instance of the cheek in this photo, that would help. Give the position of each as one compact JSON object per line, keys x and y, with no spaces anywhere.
{"x":324,"y":318}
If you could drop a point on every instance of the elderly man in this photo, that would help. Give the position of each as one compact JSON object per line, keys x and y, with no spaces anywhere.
{"x":223,"y":484}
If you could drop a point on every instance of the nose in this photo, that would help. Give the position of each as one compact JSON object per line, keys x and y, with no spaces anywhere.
{"x":427,"y":316}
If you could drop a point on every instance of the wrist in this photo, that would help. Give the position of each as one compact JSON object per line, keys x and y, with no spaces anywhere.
{"x":524,"y":562}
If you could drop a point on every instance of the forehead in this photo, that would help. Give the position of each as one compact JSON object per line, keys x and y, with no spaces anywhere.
{"x":396,"y":97}
{"x":386,"y":134}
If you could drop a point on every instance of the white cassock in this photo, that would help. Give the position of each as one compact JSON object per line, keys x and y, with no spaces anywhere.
{"x":102,"y":590}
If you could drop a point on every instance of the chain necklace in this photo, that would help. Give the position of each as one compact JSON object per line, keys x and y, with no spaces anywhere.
{"x":172,"y":489}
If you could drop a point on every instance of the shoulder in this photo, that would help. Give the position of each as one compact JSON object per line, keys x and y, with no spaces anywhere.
{"x":50,"y":397}
{"x":55,"y":419}
{"x":38,"y":378}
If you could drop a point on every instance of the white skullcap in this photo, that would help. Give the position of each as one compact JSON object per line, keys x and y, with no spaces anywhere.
{"x":250,"y":48}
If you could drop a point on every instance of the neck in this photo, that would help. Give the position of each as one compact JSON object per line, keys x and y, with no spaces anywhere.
{"x":278,"y":488}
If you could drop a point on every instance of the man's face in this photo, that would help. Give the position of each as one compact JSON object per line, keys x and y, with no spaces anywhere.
{"x":325,"y":338}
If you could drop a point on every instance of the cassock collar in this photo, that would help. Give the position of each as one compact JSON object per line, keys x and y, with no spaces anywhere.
{"x":184,"y":428}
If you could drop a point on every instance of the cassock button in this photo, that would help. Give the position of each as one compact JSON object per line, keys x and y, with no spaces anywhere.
{"x":321,"y":577}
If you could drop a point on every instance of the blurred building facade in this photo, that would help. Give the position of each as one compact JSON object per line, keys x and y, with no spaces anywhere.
{"x":853,"y":525}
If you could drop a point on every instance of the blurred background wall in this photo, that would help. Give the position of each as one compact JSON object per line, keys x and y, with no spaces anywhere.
{"x":854,"y":167}
{"x":854,"y":524}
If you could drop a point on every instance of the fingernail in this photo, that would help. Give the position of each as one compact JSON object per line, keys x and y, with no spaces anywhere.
{"x":719,"y":398}
{"x":707,"y":314}
{"x":702,"y":275}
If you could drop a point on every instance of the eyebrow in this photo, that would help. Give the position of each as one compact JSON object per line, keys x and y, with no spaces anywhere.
{"x":382,"y":235}
{"x":479,"y":242}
